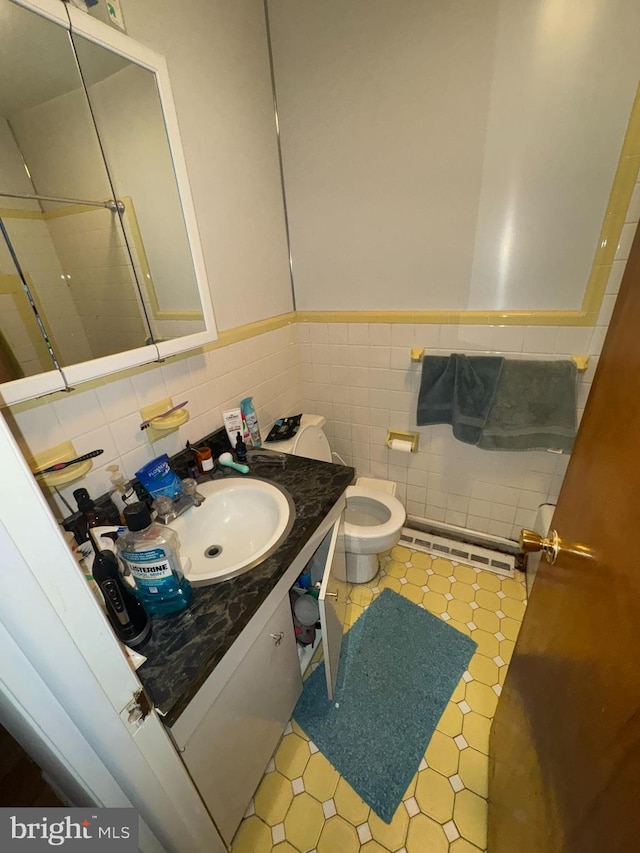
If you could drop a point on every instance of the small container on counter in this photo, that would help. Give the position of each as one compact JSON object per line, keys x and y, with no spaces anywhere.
{"x":204,"y":458}
{"x":241,"y":449}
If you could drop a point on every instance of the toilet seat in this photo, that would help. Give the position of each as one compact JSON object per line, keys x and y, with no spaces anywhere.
{"x":362,"y":542}
{"x":371,"y":539}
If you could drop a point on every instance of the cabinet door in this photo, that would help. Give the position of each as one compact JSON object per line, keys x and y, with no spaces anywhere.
{"x":227,"y":753}
{"x":332,"y":602}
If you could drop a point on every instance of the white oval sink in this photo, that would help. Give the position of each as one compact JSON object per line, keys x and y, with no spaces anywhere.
{"x":241,"y":522}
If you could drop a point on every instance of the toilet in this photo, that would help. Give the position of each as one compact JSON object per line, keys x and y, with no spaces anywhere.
{"x":374,"y":516}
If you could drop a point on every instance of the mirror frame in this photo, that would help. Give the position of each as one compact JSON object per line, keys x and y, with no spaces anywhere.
{"x":103,"y":35}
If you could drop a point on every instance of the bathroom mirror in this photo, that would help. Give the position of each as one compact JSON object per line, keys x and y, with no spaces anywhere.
{"x":126,"y":107}
{"x":44,"y":117}
{"x":97,"y":219}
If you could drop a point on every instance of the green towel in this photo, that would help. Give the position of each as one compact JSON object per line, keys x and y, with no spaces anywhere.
{"x":534,"y":407}
{"x":458,"y":390}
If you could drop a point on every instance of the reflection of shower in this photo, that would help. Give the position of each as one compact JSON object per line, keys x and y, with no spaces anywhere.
{"x":29,"y":295}
{"x":99,"y":307}
{"x":115,"y":206}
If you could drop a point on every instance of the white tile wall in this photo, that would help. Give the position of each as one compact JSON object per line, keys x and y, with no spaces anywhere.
{"x":372,"y":386}
{"x":360,"y":378}
{"x":267,"y":367}
{"x":494,"y":492}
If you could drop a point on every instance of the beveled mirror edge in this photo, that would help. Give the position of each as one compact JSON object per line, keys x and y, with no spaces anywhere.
{"x":29,"y":387}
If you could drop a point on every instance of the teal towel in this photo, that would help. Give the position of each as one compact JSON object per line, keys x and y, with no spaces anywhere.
{"x":458,"y":390}
{"x":534,"y":408}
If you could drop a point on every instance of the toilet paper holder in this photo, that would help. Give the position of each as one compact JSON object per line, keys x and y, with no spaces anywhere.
{"x":402,"y":435}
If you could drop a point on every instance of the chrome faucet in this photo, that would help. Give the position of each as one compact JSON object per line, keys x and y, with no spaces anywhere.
{"x":168,"y":509}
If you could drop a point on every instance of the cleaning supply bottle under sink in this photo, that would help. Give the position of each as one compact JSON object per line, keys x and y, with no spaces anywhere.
{"x":151,"y":553}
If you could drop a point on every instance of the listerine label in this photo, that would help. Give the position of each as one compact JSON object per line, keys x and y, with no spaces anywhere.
{"x":151,"y":570}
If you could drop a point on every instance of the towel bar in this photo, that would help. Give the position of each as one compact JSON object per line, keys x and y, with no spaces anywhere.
{"x":581,"y":361}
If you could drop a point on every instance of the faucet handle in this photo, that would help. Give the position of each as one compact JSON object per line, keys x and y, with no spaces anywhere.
{"x":163,"y":506}
{"x":190,"y":489}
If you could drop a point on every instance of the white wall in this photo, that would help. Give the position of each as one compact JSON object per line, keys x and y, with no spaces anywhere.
{"x":450,"y":155}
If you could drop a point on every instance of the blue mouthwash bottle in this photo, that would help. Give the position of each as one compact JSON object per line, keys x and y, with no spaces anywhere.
{"x":151,"y":553}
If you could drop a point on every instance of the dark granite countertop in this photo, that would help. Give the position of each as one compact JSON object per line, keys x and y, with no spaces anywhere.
{"x":184,"y":649}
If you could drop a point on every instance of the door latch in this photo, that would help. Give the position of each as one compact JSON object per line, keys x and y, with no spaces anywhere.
{"x":138,"y":709}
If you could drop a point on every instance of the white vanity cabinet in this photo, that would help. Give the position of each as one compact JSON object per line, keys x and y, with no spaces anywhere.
{"x":229,"y":731}
{"x":228,"y":752}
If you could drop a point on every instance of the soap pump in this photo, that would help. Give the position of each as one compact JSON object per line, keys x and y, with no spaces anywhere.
{"x":120,"y":492}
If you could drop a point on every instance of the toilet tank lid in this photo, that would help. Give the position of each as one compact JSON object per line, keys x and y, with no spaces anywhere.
{"x":313,"y":420}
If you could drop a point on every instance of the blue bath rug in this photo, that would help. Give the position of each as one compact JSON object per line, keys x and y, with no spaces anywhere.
{"x":399,"y":665}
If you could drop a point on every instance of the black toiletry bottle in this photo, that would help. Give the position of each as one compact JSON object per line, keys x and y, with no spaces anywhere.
{"x":90,"y":517}
{"x":126,"y":614}
{"x":241,"y":449}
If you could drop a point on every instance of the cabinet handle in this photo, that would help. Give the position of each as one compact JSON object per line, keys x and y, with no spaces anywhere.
{"x":331,"y":595}
{"x":277,"y":638}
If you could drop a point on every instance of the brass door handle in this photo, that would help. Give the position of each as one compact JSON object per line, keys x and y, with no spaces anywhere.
{"x":331,"y":595}
{"x":277,"y":638}
{"x":530,"y":541}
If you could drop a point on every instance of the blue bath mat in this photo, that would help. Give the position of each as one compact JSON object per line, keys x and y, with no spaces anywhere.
{"x":399,"y":665}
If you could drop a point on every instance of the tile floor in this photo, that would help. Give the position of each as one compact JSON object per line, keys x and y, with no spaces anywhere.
{"x":302,"y":804}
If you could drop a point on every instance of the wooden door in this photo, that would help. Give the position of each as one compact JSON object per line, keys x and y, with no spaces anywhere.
{"x":565,"y":742}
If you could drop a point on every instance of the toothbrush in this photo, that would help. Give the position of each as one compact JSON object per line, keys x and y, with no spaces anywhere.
{"x":148,"y":422}
{"x":60,"y":466}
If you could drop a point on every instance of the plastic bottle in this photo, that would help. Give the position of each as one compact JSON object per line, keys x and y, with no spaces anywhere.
{"x":91,"y":514}
{"x":121,"y":492}
{"x":90,"y":517}
{"x":151,"y":553}
{"x":241,"y":449}
{"x":251,"y":418}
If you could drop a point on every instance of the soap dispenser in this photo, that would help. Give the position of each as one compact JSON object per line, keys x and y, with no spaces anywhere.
{"x":121,"y":492}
